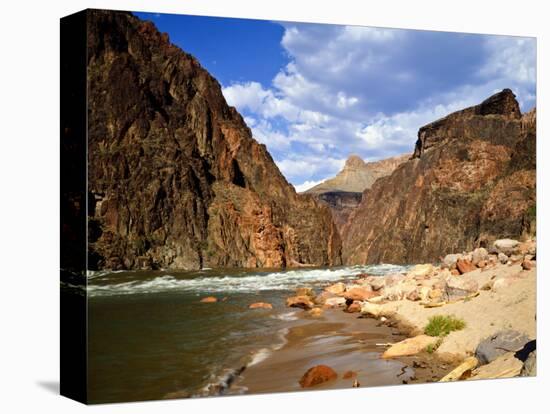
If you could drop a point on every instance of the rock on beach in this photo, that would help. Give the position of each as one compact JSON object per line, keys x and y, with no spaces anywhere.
{"x":260,"y":305}
{"x":303,"y":302}
{"x":317,"y":375}
{"x":409,"y":346}
{"x":498,"y":344}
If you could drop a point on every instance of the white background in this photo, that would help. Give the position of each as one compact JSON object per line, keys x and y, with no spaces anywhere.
{"x":29,"y":208}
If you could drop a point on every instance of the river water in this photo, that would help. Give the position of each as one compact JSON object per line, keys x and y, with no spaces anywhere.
{"x":150,"y":337}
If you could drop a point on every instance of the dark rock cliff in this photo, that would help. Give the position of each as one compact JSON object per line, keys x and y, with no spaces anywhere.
{"x":341,"y":204}
{"x":471,"y":180}
{"x":176,"y":179}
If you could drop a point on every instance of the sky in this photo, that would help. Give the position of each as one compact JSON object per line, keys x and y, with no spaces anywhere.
{"x":316,"y":93}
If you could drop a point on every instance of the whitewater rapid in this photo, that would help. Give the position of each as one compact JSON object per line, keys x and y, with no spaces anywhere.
{"x":105,"y":283}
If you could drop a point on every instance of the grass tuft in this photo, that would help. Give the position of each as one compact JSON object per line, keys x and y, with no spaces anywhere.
{"x":430,"y":349}
{"x":442,"y":325}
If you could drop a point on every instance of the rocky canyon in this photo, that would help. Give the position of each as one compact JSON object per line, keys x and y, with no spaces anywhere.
{"x":343,"y":192}
{"x":176,"y":179}
{"x":470,"y":180}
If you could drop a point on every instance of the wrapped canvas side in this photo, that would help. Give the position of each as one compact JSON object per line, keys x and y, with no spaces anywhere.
{"x":73,"y":205}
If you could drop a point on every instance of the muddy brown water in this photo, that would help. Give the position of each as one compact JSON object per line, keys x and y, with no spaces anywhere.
{"x":151,"y":338}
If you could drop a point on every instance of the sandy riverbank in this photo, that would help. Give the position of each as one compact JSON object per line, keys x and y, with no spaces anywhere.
{"x":348,"y":343}
{"x":492,"y":294}
{"x":510,"y":307}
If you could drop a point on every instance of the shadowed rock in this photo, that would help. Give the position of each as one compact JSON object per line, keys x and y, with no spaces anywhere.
{"x":471,"y":180}
{"x":176,"y":179}
{"x":502,"y":342}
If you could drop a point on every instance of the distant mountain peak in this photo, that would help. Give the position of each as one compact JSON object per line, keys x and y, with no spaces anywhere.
{"x":358,"y":175}
{"x":354,"y":161}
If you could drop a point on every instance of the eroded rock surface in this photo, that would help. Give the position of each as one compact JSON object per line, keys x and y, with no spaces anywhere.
{"x":176,"y":179}
{"x":471,"y":181}
{"x":342,"y":194}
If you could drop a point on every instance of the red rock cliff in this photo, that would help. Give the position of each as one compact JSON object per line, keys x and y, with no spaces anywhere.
{"x":471,"y":180}
{"x":176,"y":179}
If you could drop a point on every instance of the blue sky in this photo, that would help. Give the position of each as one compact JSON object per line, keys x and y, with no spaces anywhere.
{"x":314,"y":94}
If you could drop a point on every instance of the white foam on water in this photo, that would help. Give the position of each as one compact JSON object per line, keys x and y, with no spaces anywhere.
{"x":252,"y":282}
{"x":259,"y":356}
{"x":94,"y":274}
{"x":288,"y":316}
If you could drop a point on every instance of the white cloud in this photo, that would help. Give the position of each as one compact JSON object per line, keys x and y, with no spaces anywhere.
{"x":512,"y":58}
{"x":249,"y":95}
{"x":264,"y":132}
{"x":299,"y":165}
{"x":368,"y":90}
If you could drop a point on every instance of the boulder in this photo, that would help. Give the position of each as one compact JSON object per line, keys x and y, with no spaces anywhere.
{"x":377,"y":283}
{"x":482,"y":264}
{"x":317,"y":375}
{"x":504,"y":366}
{"x":460,"y":286}
{"x":305,"y":291}
{"x":336,"y":289}
{"x":421,"y":270}
{"x":528,"y":265}
{"x":359,"y":293}
{"x":354,"y":307}
{"x":315,"y":312}
{"x":414,"y":295}
{"x":409,"y":346}
{"x":516,"y":258}
{"x":506,"y":246}
{"x":335,"y":302}
{"x":451,"y":259}
{"x":209,"y":299}
{"x":502,"y":258}
{"x":424,"y":293}
{"x":498,"y":344}
{"x":478,"y":255}
{"x":303,"y":302}
{"x":393,"y":279}
{"x":465,"y":266}
{"x":260,"y":305}
{"x":401,"y":290}
{"x":528,"y":247}
{"x":435,"y":294}
{"x":322,"y":297}
{"x":372,"y":309}
{"x":530,"y":365}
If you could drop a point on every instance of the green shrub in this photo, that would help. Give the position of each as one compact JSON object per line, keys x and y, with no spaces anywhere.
{"x":432,"y":347}
{"x":442,"y":325}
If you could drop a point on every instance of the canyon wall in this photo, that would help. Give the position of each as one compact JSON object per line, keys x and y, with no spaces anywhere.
{"x":471,"y":180}
{"x":176,"y":179}
{"x":342,"y":193}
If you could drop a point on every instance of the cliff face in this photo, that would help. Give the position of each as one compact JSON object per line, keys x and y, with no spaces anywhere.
{"x":471,"y":180}
{"x":342,"y":194}
{"x":176,"y":179}
{"x":341,"y":204}
{"x":358,"y":175}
